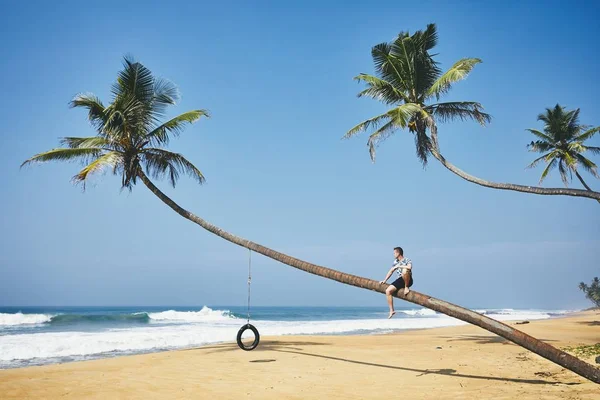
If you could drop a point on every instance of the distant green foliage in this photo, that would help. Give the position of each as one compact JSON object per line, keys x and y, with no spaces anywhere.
{"x":592,"y":291}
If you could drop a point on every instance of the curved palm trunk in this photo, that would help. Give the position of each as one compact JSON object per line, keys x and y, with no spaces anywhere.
{"x":519,"y":188}
{"x":522,"y":339}
{"x":583,"y":182}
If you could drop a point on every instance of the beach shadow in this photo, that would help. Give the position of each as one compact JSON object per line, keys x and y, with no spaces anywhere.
{"x":444,"y":371}
{"x":266,"y":345}
{"x":484,"y":339}
{"x":590,"y":323}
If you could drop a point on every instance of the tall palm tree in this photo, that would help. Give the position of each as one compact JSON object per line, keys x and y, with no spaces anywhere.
{"x":562,"y":141}
{"x":128,"y":138}
{"x":411,"y":81}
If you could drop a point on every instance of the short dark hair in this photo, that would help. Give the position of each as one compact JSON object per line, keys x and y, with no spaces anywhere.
{"x":399,"y":250}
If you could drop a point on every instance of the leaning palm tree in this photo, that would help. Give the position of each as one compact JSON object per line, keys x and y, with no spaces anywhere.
{"x":562,"y":141}
{"x":129,"y":140}
{"x":411,"y":81}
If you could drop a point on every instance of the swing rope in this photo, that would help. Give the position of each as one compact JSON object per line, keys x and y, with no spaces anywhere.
{"x":249,"y":280}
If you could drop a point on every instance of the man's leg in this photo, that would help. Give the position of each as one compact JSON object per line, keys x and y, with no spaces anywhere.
{"x":406,"y":276}
{"x":390,"y":299}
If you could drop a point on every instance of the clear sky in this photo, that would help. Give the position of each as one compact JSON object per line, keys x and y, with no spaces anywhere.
{"x":277,"y":78}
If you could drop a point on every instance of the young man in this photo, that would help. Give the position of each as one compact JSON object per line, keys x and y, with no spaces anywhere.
{"x":403,"y":266}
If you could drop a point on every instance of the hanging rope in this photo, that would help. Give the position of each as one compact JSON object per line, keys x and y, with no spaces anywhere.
{"x":248,"y":325}
{"x":249,"y":279}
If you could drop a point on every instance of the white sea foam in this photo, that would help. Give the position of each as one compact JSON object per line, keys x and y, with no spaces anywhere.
{"x":421,"y":313}
{"x":206,"y":314}
{"x":23,"y":319}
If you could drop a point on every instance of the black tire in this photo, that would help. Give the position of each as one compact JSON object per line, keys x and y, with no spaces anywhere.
{"x":256,"y":337}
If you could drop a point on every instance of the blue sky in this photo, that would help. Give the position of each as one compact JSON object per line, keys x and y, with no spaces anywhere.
{"x":277,"y":79}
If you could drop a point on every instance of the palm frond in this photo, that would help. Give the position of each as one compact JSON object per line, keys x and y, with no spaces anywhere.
{"x":463,"y":110}
{"x":587,"y":164}
{"x":389,"y":68}
{"x":111,"y":159}
{"x":563,"y":172}
{"x":587,"y":134}
{"x":457,"y":72}
{"x":540,"y":146}
{"x":165,"y":94}
{"x":551,"y":165}
{"x":593,"y":149}
{"x":135,"y":80}
{"x":161,"y":162}
{"x":404,"y":113}
{"x":423,"y":145}
{"x":427,"y":39}
{"x":82,"y":154}
{"x":380,"y":89}
{"x":96,"y":110}
{"x":537,"y":160}
{"x":365,"y":125}
{"x":541,"y":135}
{"x":573,"y":126}
{"x":79,"y":142}
{"x":160,"y":135}
{"x":378,"y":136}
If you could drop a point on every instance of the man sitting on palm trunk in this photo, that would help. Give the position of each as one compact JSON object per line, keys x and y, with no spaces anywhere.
{"x":403,"y":266}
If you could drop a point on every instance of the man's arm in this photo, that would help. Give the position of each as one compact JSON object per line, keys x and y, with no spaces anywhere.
{"x":389,"y":274}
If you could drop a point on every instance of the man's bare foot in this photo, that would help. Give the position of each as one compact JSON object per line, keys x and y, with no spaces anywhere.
{"x":391,"y":314}
{"x":406,"y":291}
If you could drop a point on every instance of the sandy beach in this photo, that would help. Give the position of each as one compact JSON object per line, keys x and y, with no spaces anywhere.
{"x":441,"y":363}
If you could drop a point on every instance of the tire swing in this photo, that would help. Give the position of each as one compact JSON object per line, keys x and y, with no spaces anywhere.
{"x":248,"y":324}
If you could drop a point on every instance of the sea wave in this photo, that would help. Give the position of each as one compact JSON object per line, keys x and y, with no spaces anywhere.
{"x":206,"y":314}
{"x":23,"y":319}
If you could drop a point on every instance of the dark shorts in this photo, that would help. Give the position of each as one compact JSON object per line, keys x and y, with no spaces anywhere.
{"x":400,"y":284}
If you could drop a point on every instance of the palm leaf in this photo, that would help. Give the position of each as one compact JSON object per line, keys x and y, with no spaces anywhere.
{"x":587,"y":164}
{"x":540,"y":146}
{"x":563,"y":172}
{"x":96,"y":110}
{"x":457,"y":72}
{"x":463,"y":110}
{"x":404,"y":113}
{"x":380,"y":89}
{"x":161,"y":162}
{"x":390,"y":68}
{"x":541,"y":135}
{"x":83,"y":154}
{"x":135,"y":80}
{"x":378,"y":136}
{"x":160,"y":135}
{"x":593,"y":149}
{"x":537,"y":160}
{"x":78,"y":142}
{"x":423,"y":145}
{"x":111,"y":159}
{"x":573,"y":126}
{"x":165,"y":94}
{"x":587,"y":134}
{"x":551,"y":165}
{"x":365,"y":125}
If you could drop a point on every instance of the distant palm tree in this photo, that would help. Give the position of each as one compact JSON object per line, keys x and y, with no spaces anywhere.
{"x":409,"y":79}
{"x":129,"y":137}
{"x":563,"y":144}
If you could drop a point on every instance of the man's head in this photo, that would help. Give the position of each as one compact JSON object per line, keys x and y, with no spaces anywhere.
{"x":398,"y":252}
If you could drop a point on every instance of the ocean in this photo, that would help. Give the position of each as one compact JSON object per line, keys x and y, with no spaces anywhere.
{"x":48,"y":335}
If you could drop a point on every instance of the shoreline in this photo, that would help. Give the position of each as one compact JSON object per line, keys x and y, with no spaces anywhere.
{"x":394,"y":331}
{"x":448,"y":362}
